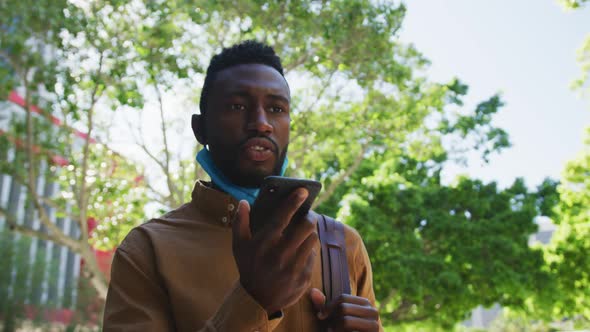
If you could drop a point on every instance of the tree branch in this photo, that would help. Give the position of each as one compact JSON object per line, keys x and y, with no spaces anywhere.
{"x":60,"y":238}
{"x":306,"y":111}
{"x":51,"y":227}
{"x":54,"y":205}
{"x":82,"y":195}
{"x":309,"y":107}
{"x":322,"y":90}
{"x":175,"y":194}
{"x":29,"y":137}
{"x":165,"y":199}
{"x":162,"y":199}
{"x":158,"y":162}
{"x":301,"y":60}
{"x":324,"y":196}
{"x":94,"y":273}
{"x":30,"y":183}
{"x":44,"y":218}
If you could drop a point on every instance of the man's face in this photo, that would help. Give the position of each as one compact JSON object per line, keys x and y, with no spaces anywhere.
{"x":247,"y":123}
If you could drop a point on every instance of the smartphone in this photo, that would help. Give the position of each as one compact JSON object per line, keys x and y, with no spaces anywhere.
{"x":273,"y":192}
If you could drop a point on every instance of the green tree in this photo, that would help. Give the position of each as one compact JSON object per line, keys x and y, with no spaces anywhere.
{"x":567,"y":254}
{"x":59,"y":57}
{"x":569,"y":296}
{"x":439,"y":251}
{"x":366,"y":122}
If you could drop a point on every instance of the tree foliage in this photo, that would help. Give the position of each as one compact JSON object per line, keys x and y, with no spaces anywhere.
{"x":567,"y":254}
{"x":572,"y":4}
{"x":366,"y":122}
{"x":582,"y":83}
{"x":568,"y":207}
{"x":583,"y":54}
{"x":59,"y":56}
{"x":439,"y":251}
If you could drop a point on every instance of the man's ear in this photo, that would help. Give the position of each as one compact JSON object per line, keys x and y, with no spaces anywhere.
{"x":198,"y":125}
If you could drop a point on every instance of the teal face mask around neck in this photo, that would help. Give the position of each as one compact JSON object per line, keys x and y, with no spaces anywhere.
{"x":221,"y":181}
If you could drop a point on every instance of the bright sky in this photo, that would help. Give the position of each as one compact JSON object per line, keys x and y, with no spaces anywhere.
{"x":527,"y":51}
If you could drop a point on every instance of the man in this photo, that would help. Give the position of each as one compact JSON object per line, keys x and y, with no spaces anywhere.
{"x":199,"y":268}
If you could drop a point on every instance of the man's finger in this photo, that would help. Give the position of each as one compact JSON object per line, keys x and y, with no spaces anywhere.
{"x":298,"y":231}
{"x":304,"y":251}
{"x":241,"y":223}
{"x":296,"y":235}
{"x":356,"y":310}
{"x":318,"y":299}
{"x":285,"y":213}
{"x":352,"y":323}
{"x":341,"y":302}
{"x":347,"y":298}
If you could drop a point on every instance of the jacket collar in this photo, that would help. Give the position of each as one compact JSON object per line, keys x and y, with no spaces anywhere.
{"x":218,"y":207}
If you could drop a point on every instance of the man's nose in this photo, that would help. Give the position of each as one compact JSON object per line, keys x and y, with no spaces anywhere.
{"x":258,"y":121}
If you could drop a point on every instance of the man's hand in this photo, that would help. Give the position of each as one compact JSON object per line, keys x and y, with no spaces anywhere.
{"x":276,"y":263}
{"x":347,"y":313}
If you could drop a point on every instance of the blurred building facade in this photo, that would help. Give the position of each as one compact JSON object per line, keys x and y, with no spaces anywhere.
{"x":41,"y":277}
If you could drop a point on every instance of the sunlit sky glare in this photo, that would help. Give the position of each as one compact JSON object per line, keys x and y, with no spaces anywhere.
{"x":526,"y":50}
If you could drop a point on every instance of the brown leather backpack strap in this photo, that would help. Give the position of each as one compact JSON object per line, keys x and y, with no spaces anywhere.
{"x":335,"y":278}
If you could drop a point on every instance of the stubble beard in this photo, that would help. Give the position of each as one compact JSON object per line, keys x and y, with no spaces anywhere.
{"x":251,"y":179}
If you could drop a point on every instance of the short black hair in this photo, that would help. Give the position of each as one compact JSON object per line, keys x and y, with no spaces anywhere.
{"x":246,"y":52}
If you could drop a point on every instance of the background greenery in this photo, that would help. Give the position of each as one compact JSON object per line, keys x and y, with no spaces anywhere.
{"x":367,"y":122}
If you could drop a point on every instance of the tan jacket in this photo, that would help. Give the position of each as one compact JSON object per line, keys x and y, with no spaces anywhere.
{"x":177,"y":273}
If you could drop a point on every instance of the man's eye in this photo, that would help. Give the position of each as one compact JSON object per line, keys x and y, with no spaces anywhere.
{"x":238,"y":107}
{"x":276,"y":109}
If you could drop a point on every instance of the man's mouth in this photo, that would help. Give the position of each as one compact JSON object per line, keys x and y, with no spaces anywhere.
{"x":258,"y":149}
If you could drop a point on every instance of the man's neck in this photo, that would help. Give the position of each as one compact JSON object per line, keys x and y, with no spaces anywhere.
{"x":221,"y":182}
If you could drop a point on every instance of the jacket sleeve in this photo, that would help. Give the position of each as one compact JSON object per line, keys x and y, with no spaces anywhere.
{"x":138,"y":301}
{"x":363,"y":273}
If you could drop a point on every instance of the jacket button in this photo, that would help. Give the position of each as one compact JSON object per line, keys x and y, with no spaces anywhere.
{"x":231,"y":207}
{"x":224,"y":220}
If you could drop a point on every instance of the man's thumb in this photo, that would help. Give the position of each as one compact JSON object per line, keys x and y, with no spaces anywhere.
{"x":318,"y":299}
{"x":241,"y":222}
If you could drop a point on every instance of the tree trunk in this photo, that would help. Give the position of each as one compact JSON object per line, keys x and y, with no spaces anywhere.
{"x":95,"y":275}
